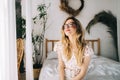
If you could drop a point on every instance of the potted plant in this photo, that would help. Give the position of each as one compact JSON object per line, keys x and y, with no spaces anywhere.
{"x":38,"y":39}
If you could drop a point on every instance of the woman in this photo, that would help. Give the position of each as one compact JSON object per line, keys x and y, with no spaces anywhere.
{"x":73,"y":52}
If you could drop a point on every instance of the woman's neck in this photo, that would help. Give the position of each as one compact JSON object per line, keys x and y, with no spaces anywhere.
{"x":72,"y":41}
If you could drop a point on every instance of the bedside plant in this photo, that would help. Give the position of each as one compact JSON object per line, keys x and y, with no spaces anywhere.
{"x":38,"y":39}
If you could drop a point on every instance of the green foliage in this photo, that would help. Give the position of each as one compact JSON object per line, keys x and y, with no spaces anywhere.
{"x":20,"y":29}
{"x":42,"y":13}
{"x":38,"y":40}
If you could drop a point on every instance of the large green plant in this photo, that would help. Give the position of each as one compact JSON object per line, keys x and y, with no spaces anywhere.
{"x":38,"y":40}
{"x":108,"y":19}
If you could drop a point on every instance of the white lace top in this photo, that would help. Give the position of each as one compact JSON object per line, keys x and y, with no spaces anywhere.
{"x":71,"y":67}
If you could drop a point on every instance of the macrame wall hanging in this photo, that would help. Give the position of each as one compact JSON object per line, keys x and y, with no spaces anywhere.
{"x":65,"y":7}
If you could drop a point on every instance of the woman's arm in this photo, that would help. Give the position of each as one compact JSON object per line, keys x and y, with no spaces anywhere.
{"x":84,"y":68}
{"x":61,"y":67}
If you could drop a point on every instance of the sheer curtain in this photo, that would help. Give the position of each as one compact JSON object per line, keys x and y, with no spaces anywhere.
{"x":29,"y":65}
{"x":8,"y":54}
{"x":8,"y":59}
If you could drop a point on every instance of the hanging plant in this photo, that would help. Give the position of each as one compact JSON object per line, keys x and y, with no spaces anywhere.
{"x":65,"y":7}
{"x":108,"y":19}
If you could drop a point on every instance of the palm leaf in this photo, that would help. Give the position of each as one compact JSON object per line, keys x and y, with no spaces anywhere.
{"x":108,"y":19}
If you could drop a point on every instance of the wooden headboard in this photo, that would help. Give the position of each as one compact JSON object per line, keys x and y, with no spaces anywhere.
{"x":95,"y":44}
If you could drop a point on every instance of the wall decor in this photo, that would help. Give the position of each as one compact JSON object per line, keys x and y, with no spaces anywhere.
{"x":65,"y":7}
{"x":108,"y":19}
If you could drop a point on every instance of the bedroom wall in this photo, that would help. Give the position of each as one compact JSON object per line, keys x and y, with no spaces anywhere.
{"x":56,"y":18}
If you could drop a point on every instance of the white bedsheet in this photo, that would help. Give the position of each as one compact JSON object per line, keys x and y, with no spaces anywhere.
{"x":100,"y":68}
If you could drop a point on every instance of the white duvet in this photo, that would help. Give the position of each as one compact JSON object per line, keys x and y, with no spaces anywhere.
{"x":100,"y":68}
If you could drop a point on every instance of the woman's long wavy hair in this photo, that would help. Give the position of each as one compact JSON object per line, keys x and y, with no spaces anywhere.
{"x":80,"y":42}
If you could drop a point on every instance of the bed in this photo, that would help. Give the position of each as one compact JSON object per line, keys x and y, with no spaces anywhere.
{"x":100,"y":68}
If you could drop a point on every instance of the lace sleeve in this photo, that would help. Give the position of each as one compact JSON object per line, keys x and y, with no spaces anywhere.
{"x":58,"y":47}
{"x":88,"y":51}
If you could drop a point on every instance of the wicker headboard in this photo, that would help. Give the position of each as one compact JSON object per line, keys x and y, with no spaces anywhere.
{"x":95,"y":44}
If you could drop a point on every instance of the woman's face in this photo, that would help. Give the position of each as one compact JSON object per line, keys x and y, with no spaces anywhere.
{"x":69,"y":28}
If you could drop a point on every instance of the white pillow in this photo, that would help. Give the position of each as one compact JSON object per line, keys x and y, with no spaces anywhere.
{"x":52,"y":55}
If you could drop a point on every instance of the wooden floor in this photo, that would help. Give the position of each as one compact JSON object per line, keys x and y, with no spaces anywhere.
{"x":23,"y":76}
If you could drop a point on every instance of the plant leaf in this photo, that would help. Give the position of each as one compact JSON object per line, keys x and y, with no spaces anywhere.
{"x":108,"y":19}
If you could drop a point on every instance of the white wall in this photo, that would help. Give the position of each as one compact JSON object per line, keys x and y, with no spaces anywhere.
{"x":56,"y":18}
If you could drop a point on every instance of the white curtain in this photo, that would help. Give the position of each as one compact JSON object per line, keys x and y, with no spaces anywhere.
{"x":8,"y":55}
{"x":29,"y":65}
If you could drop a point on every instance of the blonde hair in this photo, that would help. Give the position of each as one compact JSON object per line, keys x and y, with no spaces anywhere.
{"x":79,"y":40}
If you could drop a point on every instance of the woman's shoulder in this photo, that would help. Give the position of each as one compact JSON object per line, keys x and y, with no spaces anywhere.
{"x":87,"y":46}
{"x":88,"y":50}
{"x":58,"y":46}
{"x":58,"y":42}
